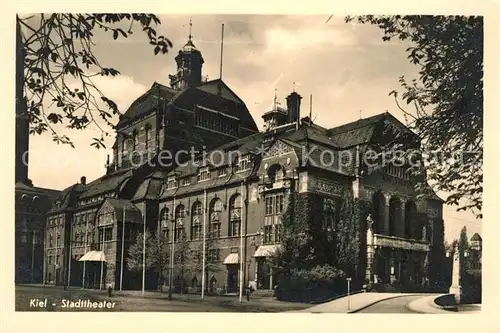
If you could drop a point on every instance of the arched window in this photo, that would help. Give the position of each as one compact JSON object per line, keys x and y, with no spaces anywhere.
{"x":394,"y":214}
{"x":275,"y":173}
{"x":180,"y":214}
{"x":164,"y":223}
{"x":147,"y":135}
{"x":378,"y":212}
{"x":196,"y":221}
{"x":215,"y":218}
{"x":410,"y":210}
{"x":235,"y":215}
{"x":134,"y":140}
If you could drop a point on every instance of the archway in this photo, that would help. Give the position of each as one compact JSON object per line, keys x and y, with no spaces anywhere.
{"x":410,"y":209}
{"x":394,"y":215}
{"x":378,"y":213}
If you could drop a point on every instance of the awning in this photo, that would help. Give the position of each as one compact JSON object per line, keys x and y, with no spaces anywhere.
{"x":93,"y":256}
{"x":233,"y":258}
{"x":266,"y":250}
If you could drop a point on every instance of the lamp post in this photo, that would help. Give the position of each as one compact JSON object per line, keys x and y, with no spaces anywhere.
{"x":348,"y":294}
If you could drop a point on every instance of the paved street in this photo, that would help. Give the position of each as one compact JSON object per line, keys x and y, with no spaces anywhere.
{"x":151,"y":301}
{"x":392,"y":305}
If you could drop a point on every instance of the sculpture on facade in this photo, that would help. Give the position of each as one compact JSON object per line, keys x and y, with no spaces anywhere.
{"x":369,"y":222}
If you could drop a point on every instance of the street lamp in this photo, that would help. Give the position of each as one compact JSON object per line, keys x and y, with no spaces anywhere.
{"x":348,"y":294}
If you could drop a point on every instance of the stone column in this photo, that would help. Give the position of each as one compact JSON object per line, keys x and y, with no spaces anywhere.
{"x":369,"y":249}
{"x":402,"y":223}
{"x":455,"y":273}
{"x":387,"y":198}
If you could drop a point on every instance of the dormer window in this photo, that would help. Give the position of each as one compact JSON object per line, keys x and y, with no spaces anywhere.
{"x":203,"y":174}
{"x":242,"y":163}
{"x":171,"y":183}
{"x":221,"y":172}
{"x":185,"y":181}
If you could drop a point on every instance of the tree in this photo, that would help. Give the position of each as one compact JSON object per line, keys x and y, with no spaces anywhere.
{"x":463,"y":249}
{"x":157,"y":256}
{"x":181,"y":261}
{"x":303,"y":270}
{"x":60,"y":67}
{"x":447,"y":99}
{"x":211,"y":258}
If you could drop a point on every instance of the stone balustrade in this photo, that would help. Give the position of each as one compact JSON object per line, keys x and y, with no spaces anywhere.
{"x":400,"y":243}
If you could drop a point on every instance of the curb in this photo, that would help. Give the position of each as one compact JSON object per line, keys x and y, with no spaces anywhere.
{"x":431,"y":304}
{"x":378,"y":301}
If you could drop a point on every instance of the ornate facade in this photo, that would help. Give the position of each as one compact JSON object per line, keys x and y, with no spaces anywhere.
{"x":232,"y":192}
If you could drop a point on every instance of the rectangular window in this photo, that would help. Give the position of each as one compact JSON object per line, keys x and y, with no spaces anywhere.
{"x":279,"y":204}
{"x":269,"y":205}
{"x":277,"y":233}
{"x":108,"y":234}
{"x":179,"y":233}
{"x":213,"y":255}
{"x":268,"y":233}
{"x":214,"y":230}
{"x":50,"y":260}
{"x":234,"y":227}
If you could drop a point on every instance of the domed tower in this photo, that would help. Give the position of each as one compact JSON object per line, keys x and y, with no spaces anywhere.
{"x":189,"y":62}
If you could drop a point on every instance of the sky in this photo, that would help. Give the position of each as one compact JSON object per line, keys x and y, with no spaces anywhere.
{"x":346,"y":67}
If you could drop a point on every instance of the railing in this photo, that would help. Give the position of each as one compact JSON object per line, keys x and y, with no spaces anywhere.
{"x":400,"y":243}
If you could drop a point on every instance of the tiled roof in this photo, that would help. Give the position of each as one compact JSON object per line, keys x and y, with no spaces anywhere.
{"x":37,"y":190}
{"x":106,"y":183}
{"x":67,"y":198}
{"x":147,"y":101}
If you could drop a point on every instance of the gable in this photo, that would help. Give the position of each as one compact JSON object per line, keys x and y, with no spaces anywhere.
{"x":106,"y":208}
{"x":277,"y":149}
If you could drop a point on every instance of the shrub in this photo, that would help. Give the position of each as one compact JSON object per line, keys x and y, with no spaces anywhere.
{"x":306,"y":285}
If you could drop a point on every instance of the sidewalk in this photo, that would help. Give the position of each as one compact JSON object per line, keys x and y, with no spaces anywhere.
{"x":427,"y":305}
{"x":356,"y":303}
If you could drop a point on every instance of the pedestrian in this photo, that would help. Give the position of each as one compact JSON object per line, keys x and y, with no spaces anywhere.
{"x":110,"y":291}
{"x":249,"y":291}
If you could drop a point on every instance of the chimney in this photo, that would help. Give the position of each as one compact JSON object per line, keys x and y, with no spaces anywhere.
{"x":293,"y":107}
{"x":83,"y":180}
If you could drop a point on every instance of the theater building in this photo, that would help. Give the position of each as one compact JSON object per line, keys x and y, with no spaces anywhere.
{"x":232,"y":192}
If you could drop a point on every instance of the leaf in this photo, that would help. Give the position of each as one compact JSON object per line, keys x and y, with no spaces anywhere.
{"x":115,"y":34}
{"x":157,"y":50}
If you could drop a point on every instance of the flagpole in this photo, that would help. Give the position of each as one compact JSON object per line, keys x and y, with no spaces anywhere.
{"x":144,"y":254}
{"x":102,"y":262}
{"x":123,"y":247}
{"x":85,"y":250}
{"x":241,"y":245}
{"x":170,"y":278}
{"x":221,"y":50}
{"x":204,"y":242}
